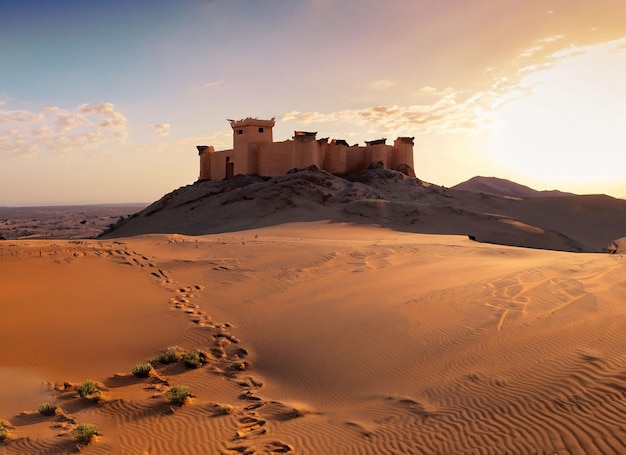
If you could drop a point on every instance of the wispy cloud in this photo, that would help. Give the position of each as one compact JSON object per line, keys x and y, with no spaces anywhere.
{"x":381,"y":84}
{"x":54,"y":130}
{"x":213,"y":84}
{"x":161,"y":129}
{"x":453,"y":112}
{"x":449,"y":110}
{"x":18,"y":116}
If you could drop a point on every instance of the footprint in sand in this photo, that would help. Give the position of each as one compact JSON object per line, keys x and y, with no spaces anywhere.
{"x":250,"y":426}
{"x":278,"y":447}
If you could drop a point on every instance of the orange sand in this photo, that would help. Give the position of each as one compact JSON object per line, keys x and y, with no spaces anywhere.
{"x":324,"y":338}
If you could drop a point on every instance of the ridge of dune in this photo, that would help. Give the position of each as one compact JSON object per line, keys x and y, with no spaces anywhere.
{"x":504,"y":187}
{"x":386,"y":198}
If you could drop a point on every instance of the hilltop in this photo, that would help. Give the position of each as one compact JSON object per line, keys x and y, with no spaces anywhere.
{"x":386,"y":198}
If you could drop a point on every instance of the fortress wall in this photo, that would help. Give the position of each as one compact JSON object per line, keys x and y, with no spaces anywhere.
{"x":378,"y":152}
{"x":276,"y":158}
{"x":403,"y":153}
{"x":253,"y":158}
{"x":240,"y":160}
{"x":218,"y":164}
{"x":254,"y":152}
{"x":205,"y":161}
{"x":335,"y":158}
{"x":306,"y":153}
{"x":355,"y":159}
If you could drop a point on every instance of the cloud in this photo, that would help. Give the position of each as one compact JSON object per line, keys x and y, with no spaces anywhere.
{"x":381,"y":84}
{"x":213,"y":84}
{"x":19,"y":116}
{"x":66,"y":121}
{"x":449,"y":110}
{"x":104,"y":112}
{"x":452,"y":112}
{"x":54,"y":130}
{"x":161,"y":129}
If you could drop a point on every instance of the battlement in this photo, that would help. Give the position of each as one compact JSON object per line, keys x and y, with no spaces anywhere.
{"x":255,"y":152}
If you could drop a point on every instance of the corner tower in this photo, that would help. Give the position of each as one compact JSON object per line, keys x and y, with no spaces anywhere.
{"x":251,"y":130}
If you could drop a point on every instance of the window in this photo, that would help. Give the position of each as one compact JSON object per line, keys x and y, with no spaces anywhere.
{"x":239,"y":131}
{"x":260,"y":129}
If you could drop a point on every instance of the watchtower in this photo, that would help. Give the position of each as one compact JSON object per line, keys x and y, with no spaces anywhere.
{"x":251,"y":130}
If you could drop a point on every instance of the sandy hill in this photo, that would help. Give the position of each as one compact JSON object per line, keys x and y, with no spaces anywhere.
{"x":385,"y":198}
{"x":503,"y":187}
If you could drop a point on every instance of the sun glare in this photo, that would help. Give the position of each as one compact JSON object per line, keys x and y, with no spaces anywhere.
{"x":569,"y":130}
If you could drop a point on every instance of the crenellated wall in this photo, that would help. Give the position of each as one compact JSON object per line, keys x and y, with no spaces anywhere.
{"x":255,"y":152}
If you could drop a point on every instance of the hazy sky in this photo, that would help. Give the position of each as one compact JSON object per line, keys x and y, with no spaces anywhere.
{"x":105,"y":101}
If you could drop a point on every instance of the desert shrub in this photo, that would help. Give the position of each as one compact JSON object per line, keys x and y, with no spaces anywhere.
{"x":142,"y":370}
{"x":4,"y":432}
{"x":84,"y":432}
{"x":90,"y":390}
{"x":47,"y":409}
{"x":170,"y":355}
{"x":193,"y":359}
{"x":178,"y":394}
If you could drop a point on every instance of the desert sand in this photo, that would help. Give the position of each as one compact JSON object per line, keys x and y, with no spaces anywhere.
{"x":319,"y":338}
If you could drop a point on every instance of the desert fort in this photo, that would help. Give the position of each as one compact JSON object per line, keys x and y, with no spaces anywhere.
{"x":254,"y":152}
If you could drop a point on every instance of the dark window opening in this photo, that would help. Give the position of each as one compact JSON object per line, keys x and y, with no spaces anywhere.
{"x":239,"y":131}
{"x":261,"y":130}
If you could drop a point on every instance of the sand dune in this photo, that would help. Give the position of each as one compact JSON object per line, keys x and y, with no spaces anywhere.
{"x":320,"y":338}
{"x":503,"y":187}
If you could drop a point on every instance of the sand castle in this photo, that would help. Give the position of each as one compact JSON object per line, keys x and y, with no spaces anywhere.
{"x":254,"y":152}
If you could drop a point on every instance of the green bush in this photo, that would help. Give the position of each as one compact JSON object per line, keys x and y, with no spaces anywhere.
{"x":142,"y":370}
{"x":84,"y":433}
{"x":193,"y":359}
{"x":170,"y":355}
{"x":47,"y":409}
{"x":4,"y":432}
{"x":178,"y":394}
{"x":90,"y":390}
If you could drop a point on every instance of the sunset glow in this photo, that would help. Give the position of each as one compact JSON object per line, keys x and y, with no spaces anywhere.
{"x":569,"y":128}
{"x":106,"y":102}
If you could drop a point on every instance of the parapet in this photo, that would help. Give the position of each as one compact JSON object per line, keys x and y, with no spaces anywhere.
{"x":382,"y":141}
{"x":201,"y":148}
{"x":304,"y":136}
{"x":405,"y":140}
{"x":249,"y":121}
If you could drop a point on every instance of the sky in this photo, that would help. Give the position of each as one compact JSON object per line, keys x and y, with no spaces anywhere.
{"x":105,"y":101}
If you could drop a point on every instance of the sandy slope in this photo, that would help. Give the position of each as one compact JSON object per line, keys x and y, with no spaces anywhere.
{"x":323,"y":338}
{"x":384,"y":198}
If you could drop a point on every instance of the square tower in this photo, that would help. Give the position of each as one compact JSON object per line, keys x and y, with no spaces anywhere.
{"x":250,"y":130}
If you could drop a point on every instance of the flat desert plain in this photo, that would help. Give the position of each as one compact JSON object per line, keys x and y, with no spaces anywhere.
{"x":317,"y":338}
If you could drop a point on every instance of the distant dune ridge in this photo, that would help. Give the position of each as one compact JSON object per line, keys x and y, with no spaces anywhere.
{"x":503,"y":187}
{"x":390,"y":199}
